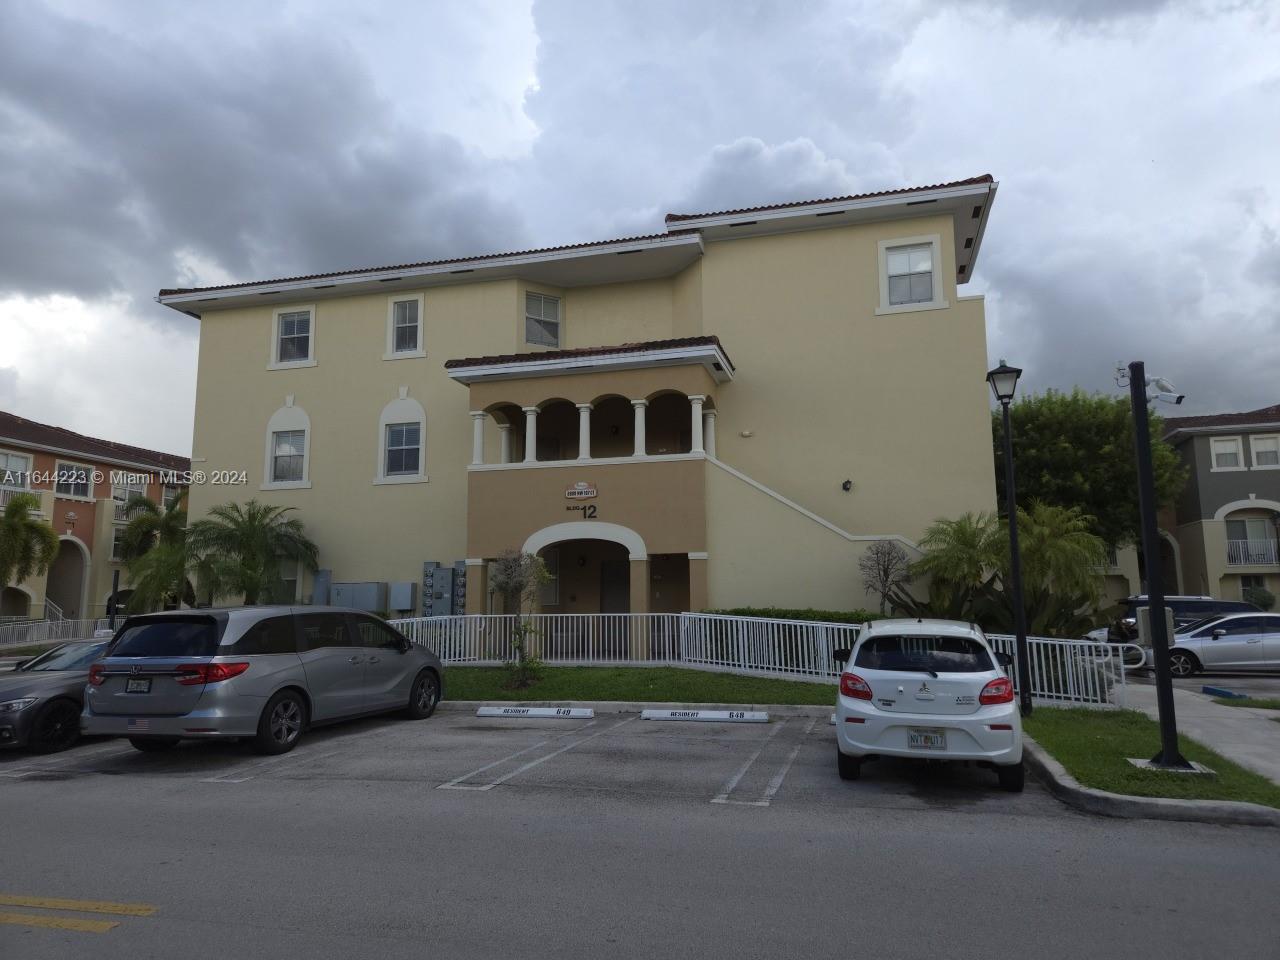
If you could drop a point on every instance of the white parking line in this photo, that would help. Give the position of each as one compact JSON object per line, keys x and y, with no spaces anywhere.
{"x":104,"y":751}
{"x":458,"y":785}
{"x":781,"y":775}
{"x":723,"y":795}
{"x":251,"y":769}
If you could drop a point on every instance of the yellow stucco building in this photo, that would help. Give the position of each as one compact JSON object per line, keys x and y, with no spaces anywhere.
{"x":724,"y":414}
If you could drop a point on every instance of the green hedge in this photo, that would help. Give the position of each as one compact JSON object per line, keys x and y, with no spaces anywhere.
{"x":784,"y":613}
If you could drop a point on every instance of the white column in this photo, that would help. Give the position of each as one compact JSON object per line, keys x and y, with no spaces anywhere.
{"x":639,"y":408}
{"x":504,"y":442}
{"x":584,"y":431}
{"x":530,"y":434}
{"x":709,"y":431}
{"x":477,"y":436}
{"x":695,"y":405}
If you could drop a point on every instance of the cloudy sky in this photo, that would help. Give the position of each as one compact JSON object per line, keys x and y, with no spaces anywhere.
{"x":154,"y":144}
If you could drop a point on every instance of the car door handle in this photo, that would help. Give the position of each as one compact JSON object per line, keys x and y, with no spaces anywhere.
{"x":373,"y":660}
{"x":1254,"y":640}
{"x":354,"y":659}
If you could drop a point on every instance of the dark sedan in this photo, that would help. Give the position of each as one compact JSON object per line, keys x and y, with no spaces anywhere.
{"x":40,"y":702}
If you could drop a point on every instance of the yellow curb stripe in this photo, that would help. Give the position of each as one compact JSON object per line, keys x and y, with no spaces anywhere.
{"x":59,"y":923}
{"x":79,"y":906}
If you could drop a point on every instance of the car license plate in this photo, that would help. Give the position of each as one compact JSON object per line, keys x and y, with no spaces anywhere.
{"x":137,"y":685}
{"x":926,"y":739}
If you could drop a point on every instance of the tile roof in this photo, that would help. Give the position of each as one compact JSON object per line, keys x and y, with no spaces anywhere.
{"x":20,"y":431}
{"x":971,"y":181}
{"x":1262,"y":415}
{"x":640,"y":347}
{"x":425,"y":263}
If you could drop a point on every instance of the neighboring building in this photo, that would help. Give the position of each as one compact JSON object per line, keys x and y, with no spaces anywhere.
{"x":723,"y":414}
{"x":1229,"y":511}
{"x":83,"y":484}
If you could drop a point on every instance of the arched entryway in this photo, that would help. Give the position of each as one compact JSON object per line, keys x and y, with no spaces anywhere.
{"x":68,"y":578}
{"x":14,"y":602}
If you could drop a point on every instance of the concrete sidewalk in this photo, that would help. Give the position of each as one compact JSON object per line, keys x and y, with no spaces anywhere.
{"x":1249,"y":737}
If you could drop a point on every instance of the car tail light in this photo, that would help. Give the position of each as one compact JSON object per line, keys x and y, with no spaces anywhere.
{"x":999,"y":690}
{"x":96,"y":676}
{"x":192,"y":674}
{"x":852,"y":685}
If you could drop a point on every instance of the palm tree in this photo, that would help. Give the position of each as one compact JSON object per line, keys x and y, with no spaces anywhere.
{"x":149,"y":524}
{"x":155,"y":554}
{"x":27,"y":545}
{"x":240,"y":548}
{"x":962,"y":558}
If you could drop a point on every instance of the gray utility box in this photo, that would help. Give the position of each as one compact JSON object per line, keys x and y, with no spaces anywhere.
{"x":360,"y":596}
{"x":444,"y":589}
{"x":402,"y":595}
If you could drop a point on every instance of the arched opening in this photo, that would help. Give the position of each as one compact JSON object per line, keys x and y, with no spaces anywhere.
{"x":510,"y":420}
{"x":14,"y":603}
{"x":1169,"y":566}
{"x":121,"y":600}
{"x":668,"y":424}
{"x":65,"y":586}
{"x":557,"y":431}
{"x":588,"y":576}
{"x":613,"y":427}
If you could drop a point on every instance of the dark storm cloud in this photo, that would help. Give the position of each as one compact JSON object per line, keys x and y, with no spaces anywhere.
{"x":271,"y":156}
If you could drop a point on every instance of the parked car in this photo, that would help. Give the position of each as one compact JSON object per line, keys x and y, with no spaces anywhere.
{"x":1186,"y":611}
{"x":263,"y":673}
{"x":1248,"y":641}
{"x":927,"y":689}
{"x":40,"y":701}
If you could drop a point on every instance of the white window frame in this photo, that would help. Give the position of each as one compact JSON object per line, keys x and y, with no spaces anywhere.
{"x":273,"y":363}
{"x":1253,"y":450}
{"x":287,"y":418}
{"x":938,"y":302}
{"x":524,"y":320}
{"x":116,"y":531}
{"x":1213,"y":454}
{"x":404,"y":409}
{"x":129,"y":488}
{"x":26,"y":484}
{"x":165,"y":498}
{"x":57,"y":472}
{"x":390,"y":352}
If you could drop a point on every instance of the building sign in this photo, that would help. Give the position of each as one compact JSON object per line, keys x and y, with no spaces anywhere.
{"x":581,"y":491}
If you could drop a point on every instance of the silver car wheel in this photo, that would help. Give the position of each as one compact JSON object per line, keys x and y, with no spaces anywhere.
{"x":1181,"y":665}
{"x":285,"y":722}
{"x":428,"y":690}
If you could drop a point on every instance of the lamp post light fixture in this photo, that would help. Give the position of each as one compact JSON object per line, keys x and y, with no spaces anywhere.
{"x":1004,"y":381}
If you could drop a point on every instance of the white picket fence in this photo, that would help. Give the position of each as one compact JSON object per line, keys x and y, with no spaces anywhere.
{"x":1070,"y":671}
{"x":48,"y":631}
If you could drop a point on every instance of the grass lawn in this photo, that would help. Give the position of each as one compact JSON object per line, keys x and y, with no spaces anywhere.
{"x":1094,"y":746}
{"x":1260,"y":703}
{"x":634,"y":683}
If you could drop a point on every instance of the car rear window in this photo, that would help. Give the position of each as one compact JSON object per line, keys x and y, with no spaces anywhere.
{"x":924,"y":654}
{"x":168,"y":637}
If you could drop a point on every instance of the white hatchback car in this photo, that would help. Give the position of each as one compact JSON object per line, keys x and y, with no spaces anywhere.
{"x":927,"y":689}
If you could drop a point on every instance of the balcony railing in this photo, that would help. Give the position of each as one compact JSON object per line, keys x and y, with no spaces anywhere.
{"x":8,"y":493}
{"x":1252,"y":551}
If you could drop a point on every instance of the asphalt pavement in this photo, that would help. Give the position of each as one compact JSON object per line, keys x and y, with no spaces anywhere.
{"x":614,"y":837}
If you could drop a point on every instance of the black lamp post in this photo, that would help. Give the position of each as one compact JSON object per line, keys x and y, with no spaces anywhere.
{"x":1004,"y":381}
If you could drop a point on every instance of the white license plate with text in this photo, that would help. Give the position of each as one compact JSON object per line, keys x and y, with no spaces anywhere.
{"x":930,"y":739}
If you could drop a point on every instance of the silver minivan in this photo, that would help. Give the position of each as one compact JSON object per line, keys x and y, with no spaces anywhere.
{"x":260,"y":673}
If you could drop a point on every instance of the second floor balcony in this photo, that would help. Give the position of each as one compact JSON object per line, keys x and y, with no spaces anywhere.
{"x":1253,"y":552}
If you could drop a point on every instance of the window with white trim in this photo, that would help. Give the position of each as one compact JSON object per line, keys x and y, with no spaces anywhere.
{"x":1227,"y":453}
{"x":170,"y":493}
{"x":404,"y":449}
{"x":293,"y":337}
{"x":541,"y":320}
{"x":1266,"y":451}
{"x":117,"y":541}
{"x":73,"y":480}
{"x":406,"y":326}
{"x":910,"y":274}
{"x":15,"y":470}
{"x":124,"y":491}
{"x":289,"y":449}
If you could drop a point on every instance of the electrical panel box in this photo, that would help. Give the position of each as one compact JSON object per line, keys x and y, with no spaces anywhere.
{"x":359,"y":596}
{"x":460,"y":587}
{"x":401,"y":595}
{"x":444,"y":588}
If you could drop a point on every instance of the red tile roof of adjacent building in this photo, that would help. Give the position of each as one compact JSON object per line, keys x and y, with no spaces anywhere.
{"x":23,"y":432}
{"x":569,"y":354}
{"x":971,"y":181}
{"x":426,"y":263}
{"x":1263,"y":415}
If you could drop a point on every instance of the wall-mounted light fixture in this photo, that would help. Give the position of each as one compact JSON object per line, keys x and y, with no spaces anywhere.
{"x":847,"y":486}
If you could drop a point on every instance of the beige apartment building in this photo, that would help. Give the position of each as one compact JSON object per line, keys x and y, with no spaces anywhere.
{"x":724,"y":414}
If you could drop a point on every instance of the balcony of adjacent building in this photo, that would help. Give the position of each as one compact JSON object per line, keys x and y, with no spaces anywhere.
{"x":1252,"y":538}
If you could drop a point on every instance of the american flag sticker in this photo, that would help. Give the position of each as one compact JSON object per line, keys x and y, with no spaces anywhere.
{"x":139,"y":726}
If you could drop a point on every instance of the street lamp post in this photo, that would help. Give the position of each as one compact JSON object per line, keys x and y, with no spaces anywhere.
{"x":1004,"y":381}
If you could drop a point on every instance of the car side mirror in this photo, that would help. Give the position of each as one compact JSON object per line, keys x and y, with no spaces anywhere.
{"x":1004,"y":659}
{"x":841,"y":655}
{"x":1219,"y":633}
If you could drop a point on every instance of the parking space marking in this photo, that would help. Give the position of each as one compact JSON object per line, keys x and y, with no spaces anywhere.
{"x":79,"y":906}
{"x":251,"y":770}
{"x":723,"y":795}
{"x":58,"y":923}
{"x":105,"y":751}
{"x":776,"y":782}
{"x":459,"y":785}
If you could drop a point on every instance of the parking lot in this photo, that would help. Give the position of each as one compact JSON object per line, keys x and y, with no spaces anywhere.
{"x":613,"y":836}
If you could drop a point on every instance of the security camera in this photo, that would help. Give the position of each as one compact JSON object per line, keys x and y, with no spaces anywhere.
{"x":1164,"y":391}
